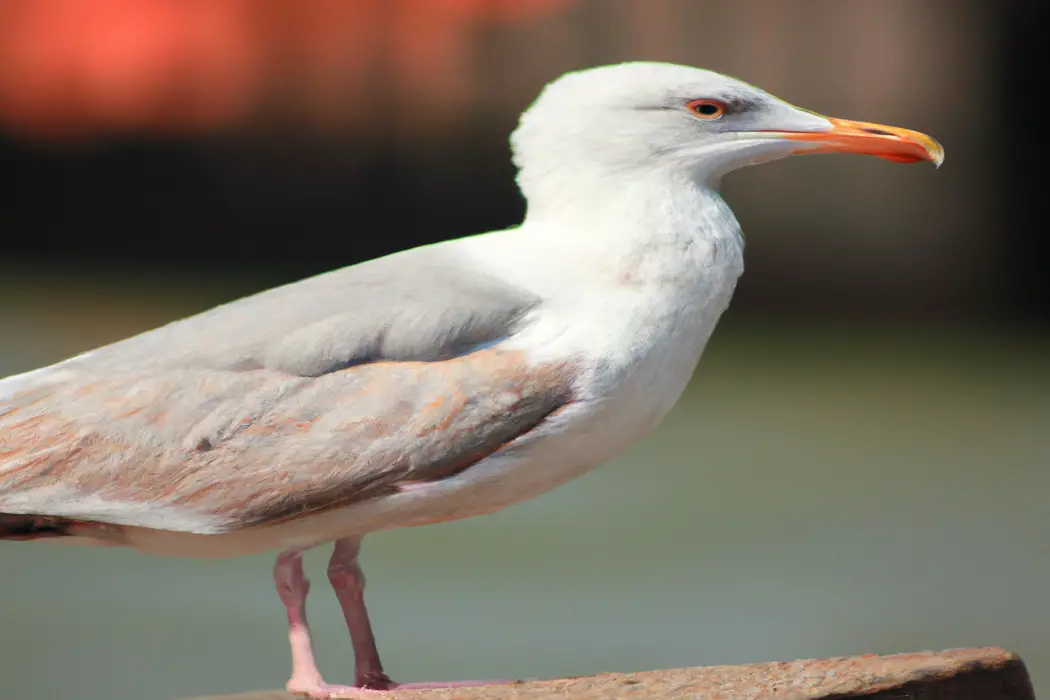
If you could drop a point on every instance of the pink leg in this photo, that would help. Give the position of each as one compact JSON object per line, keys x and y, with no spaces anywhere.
{"x":348,"y":580}
{"x":349,"y":583}
{"x":292,"y":587}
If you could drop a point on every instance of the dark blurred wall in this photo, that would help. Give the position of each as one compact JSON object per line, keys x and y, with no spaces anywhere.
{"x":284,"y":197}
{"x":1023,"y":249}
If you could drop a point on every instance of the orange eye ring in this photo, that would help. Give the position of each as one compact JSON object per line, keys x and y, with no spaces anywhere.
{"x":707,"y":109}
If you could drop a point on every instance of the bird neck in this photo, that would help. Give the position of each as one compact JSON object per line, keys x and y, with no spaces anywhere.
{"x":654,"y":226}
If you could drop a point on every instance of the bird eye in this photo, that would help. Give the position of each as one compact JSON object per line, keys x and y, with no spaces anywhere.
{"x":707,"y":109}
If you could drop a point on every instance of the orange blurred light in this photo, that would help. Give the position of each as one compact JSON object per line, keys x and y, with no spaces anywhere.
{"x":76,"y":67}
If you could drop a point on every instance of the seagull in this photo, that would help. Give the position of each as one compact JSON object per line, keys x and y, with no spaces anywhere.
{"x":437,"y":383}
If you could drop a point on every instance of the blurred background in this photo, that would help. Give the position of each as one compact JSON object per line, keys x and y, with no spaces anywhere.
{"x":859,"y":466}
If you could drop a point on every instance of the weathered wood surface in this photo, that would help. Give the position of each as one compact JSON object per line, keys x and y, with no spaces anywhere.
{"x":984,"y":673}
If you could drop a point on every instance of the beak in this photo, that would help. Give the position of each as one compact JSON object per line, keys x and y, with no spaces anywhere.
{"x":889,"y":142}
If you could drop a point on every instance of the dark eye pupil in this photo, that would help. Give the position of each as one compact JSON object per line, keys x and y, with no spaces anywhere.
{"x":707,"y":108}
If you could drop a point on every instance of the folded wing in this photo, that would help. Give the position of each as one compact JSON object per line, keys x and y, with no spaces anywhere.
{"x":309,"y":396}
{"x":211,"y":451}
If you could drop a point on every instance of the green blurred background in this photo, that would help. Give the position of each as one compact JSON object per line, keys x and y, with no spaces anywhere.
{"x":860,"y":464}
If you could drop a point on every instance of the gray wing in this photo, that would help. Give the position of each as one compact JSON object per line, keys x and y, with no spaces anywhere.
{"x":417,"y":305}
{"x":210,"y":451}
{"x":304,"y":397}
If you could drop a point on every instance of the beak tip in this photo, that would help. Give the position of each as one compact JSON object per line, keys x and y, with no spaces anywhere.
{"x":937,"y":155}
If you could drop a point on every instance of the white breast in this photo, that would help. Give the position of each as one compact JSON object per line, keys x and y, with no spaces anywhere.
{"x":634,"y":308}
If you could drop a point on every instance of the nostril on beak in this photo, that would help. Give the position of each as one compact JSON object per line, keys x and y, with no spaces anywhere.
{"x":877,"y":132}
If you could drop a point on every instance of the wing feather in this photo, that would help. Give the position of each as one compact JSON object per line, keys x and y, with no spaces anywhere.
{"x":209,"y":451}
{"x":422,"y":304}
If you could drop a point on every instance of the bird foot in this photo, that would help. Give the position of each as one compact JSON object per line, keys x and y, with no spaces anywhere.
{"x":319,"y":690}
{"x":324,"y":691}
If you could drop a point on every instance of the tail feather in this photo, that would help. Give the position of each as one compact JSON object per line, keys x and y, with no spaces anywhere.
{"x":32,"y":527}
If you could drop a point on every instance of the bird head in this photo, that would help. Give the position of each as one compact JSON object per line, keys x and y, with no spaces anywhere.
{"x":598,"y":123}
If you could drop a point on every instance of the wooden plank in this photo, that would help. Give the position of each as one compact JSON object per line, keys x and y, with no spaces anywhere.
{"x":983,"y":673}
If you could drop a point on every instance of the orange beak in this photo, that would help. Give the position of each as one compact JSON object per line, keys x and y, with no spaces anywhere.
{"x":889,"y":142}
